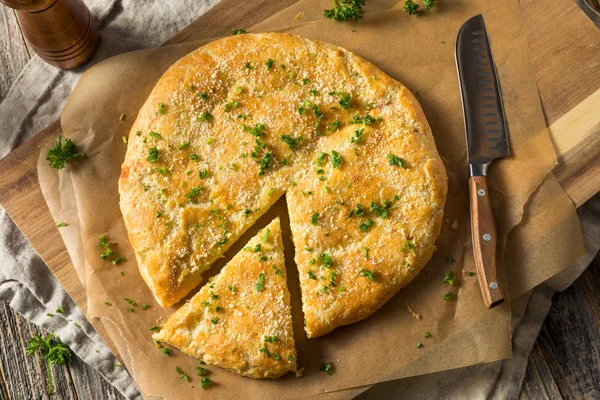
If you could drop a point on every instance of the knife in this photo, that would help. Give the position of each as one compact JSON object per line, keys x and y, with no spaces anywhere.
{"x":487,"y":140}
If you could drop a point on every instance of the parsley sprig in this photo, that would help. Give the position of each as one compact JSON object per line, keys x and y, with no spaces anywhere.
{"x":61,"y":153}
{"x":345,"y":10}
{"x":53,"y":351}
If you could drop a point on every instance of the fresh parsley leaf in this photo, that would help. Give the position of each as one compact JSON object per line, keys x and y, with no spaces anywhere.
{"x":53,"y":351}
{"x":357,"y":136}
{"x":238,"y":31}
{"x":410,"y":7}
{"x":370,"y":275}
{"x":327,"y":368}
{"x":61,"y":224}
{"x":345,"y":101}
{"x":379,"y":210}
{"x":292,"y":142}
{"x":191,"y":196}
{"x":336,"y":159}
{"x":450,"y":278}
{"x":446,"y":296}
{"x":204,"y":116}
{"x":260,"y":283}
{"x":345,"y":10}
{"x":161,"y":109}
{"x":333,"y":126}
{"x":450,"y":260}
{"x":265,"y":236}
{"x":311,"y":275}
{"x":366,"y":225}
{"x":326,"y":260}
{"x":395,"y":160}
{"x":314,"y":218}
{"x":269,"y":64}
{"x":153,"y":155}
{"x":429,"y":4}
{"x":409,"y":246}
{"x":182,"y":375}
{"x":320,"y":159}
{"x":205,"y":382}
{"x":203,"y":173}
{"x":61,"y":153}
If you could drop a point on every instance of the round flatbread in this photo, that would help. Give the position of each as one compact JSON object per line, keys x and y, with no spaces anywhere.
{"x":235,"y":124}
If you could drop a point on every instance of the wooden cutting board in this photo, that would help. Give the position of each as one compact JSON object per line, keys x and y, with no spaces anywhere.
{"x":564,"y":49}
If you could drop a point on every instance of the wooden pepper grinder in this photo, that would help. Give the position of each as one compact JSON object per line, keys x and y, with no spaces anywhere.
{"x":62,"y":32}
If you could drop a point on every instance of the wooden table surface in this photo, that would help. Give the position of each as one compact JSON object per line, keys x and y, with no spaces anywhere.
{"x":564,"y":363}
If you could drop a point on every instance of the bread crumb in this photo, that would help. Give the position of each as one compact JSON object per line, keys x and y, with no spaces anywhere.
{"x":413,"y":312}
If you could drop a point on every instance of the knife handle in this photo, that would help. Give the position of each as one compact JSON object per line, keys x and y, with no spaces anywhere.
{"x":484,"y":241}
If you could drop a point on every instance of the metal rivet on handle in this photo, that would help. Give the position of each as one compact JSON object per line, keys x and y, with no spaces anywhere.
{"x":493,"y":285}
{"x":487,"y":237}
{"x":481,"y":192}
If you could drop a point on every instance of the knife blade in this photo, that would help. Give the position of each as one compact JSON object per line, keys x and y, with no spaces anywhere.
{"x":487,"y":140}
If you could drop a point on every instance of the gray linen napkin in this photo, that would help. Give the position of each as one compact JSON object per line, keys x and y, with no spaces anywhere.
{"x":37,"y":99}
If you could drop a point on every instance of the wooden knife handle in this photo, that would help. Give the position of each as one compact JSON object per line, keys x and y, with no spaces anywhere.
{"x":484,"y":241}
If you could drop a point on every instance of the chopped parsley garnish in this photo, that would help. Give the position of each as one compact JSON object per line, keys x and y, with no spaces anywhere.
{"x":426,"y":334}
{"x":366,"y":225}
{"x":247,"y":212}
{"x":161,"y":109}
{"x":270,"y":339}
{"x":209,"y":141}
{"x":108,"y":252}
{"x":320,"y":159}
{"x":249,"y":65}
{"x":395,"y":160}
{"x":450,"y":278}
{"x":450,"y":260}
{"x":265,"y":162}
{"x":53,"y":351}
{"x":107,"y":304}
{"x":276,"y":357}
{"x":291,"y":358}
{"x":260,"y":283}
{"x":446,"y":296}
{"x":359,"y":210}
{"x":419,"y":345}
{"x":205,"y":382}
{"x":182,"y":375}
{"x":269,"y":64}
{"x":118,"y":260}
{"x":345,"y":101}
{"x":167,"y":351}
{"x":429,"y":4}
{"x":326,"y":260}
{"x":200,"y":371}
{"x":153,"y":155}
{"x":265,"y":351}
{"x":204,"y":116}
{"x":313,"y":92}
{"x":336,"y":159}
{"x":154,"y":135}
{"x":380,"y":210}
{"x":303,"y":107}
{"x":311,"y":275}
{"x":145,"y":306}
{"x":203,"y":173}
{"x":191,"y":196}
{"x":203,"y":95}
{"x":214,"y":320}
{"x":238,"y":31}
{"x":333,"y":126}
{"x":194,"y":157}
{"x":292,"y":142}
{"x":314,"y":218}
{"x":223,"y":241}
{"x":409,"y":246}
{"x":469,"y":273}
{"x":370,"y":275}
{"x":265,"y":236}
{"x":130,"y":302}
{"x":61,"y":153}
{"x":60,"y":310}
{"x":122,"y":117}
{"x":317,"y":112}
{"x":345,"y":10}
{"x":366,"y":253}
{"x":327,"y":368}
{"x":410,"y":7}
{"x":60,"y":224}
{"x":357,"y":136}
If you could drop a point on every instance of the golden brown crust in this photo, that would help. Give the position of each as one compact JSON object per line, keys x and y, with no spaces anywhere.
{"x":313,"y":91}
{"x":241,"y":320}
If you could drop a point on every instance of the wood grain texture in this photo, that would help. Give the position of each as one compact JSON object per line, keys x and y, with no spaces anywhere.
{"x":13,"y":51}
{"x":483,"y":230}
{"x":213,"y":23}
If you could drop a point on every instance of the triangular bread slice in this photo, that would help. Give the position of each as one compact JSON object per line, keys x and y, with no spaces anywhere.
{"x":241,"y":320}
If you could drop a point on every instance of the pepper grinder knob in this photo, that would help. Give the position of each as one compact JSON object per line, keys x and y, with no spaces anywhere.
{"x":62,"y":32}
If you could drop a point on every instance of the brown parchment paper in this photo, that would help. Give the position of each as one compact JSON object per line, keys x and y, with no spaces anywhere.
{"x":384,"y":346}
